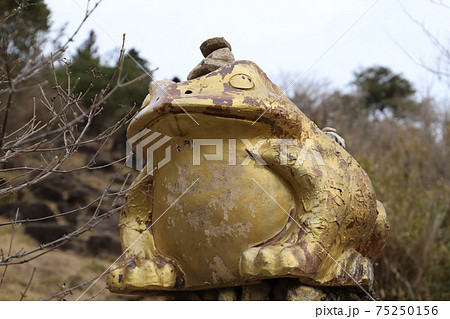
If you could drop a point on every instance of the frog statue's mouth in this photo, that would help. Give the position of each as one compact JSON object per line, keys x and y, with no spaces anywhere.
{"x":239,"y":90}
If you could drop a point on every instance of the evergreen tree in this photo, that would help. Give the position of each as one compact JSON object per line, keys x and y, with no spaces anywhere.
{"x":383,"y":89}
{"x":87,"y":71}
{"x":23,"y":26}
{"x":92,"y":76}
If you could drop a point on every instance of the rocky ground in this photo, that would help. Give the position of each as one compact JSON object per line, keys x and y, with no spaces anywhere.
{"x":76,"y":195}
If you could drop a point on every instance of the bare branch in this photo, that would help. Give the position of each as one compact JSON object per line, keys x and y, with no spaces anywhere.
{"x":19,"y":258}
{"x":23,"y":294}
{"x":69,"y":291}
{"x":96,"y":294}
{"x":440,"y":3}
{"x":443,"y":50}
{"x":52,"y":129}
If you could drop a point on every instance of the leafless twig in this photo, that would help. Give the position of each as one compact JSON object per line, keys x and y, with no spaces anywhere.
{"x":14,"y":226}
{"x":23,"y":294}
{"x":69,"y":291}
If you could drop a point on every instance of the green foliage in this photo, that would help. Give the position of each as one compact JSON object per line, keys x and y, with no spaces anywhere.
{"x":411,"y":178}
{"x":383,"y":89}
{"x":87,"y":72}
{"x":91,"y":77}
{"x":407,"y":161}
{"x":134,"y":93}
{"x":24,"y":23}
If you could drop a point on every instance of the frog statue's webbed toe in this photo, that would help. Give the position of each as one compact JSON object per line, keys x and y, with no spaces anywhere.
{"x":349,"y":269}
{"x":277,"y":260}
{"x":144,"y":275}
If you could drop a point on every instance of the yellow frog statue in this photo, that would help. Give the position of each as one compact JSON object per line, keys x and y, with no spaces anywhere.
{"x":241,"y":187}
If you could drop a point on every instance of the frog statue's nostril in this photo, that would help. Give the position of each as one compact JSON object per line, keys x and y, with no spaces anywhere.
{"x":155,"y":90}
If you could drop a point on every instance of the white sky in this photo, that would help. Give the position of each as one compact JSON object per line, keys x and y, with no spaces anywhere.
{"x":327,"y":38}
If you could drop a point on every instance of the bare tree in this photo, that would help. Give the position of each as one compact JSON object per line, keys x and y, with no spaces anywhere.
{"x":441,"y":67}
{"x":59,"y":123}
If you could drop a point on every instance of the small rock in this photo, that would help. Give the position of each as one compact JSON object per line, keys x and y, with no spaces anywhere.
{"x":187,"y":296}
{"x":223,"y":54}
{"x":27,"y":211}
{"x":103,"y":162}
{"x":89,"y":149}
{"x":227,"y":294}
{"x":54,"y":187}
{"x":107,"y":226}
{"x":258,"y":292}
{"x":79,"y":195}
{"x":64,"y":207}
{"x":208,"y":295}
{"x":45,"y":233}
{"x":12,"y":163}
{"x":119,"y":144}
{"x":48,"y":191}
{"x":217,"y":53}
{"x":292,"y":289}
{"x":103,"y":244}
{"x":205,"y":67}
{"x":305,"y":293}
{"x":213,"y":44}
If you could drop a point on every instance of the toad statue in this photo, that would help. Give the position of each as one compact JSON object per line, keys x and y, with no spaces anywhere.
{"x":248,"y":189}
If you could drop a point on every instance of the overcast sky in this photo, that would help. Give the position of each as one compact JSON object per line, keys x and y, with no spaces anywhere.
{"x":323,"y":38}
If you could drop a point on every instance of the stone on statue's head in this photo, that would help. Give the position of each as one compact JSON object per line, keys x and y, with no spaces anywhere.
{"x":217,"y":53}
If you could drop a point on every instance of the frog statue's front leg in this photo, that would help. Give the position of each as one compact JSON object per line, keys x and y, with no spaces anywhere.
{"x":148,"y":268}
{"x":313,"y":246}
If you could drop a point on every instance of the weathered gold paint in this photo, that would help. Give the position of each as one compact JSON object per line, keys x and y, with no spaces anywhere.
{"x":226,"y":230}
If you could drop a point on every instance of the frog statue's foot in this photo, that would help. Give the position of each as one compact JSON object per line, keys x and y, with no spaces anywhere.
{"x":350,"y":269}
{"x":144,"y":275}
{"x":275,"y":260}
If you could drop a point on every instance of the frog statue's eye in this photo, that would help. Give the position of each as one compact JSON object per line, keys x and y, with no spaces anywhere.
{"x":241,"y":81}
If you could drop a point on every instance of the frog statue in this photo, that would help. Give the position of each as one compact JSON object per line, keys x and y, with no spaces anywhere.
{"x":248,"y":188}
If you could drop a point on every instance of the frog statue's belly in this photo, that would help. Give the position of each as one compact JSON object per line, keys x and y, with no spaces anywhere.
{"x":224,"y":212}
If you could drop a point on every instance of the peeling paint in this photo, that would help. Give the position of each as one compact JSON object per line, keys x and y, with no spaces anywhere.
{"x":219,"y":272}
{"x":226,"y":230}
